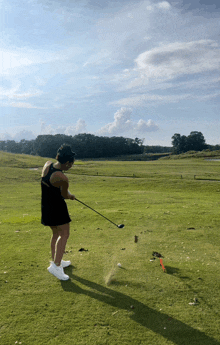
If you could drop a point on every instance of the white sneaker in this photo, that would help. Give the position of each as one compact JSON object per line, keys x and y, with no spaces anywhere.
{"x":65,"y":263}
{"x":57,"y":271}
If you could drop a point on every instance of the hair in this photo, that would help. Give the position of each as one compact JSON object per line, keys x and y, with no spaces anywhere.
{"x":65,"y":154}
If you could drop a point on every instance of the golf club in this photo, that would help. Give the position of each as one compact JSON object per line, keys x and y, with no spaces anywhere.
{"x":118,"y":226}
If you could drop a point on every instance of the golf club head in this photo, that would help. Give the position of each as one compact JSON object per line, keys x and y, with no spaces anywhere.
{"x":120,"y":226}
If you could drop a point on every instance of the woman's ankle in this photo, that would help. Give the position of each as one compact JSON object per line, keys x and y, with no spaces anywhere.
{"x":57,"y":263}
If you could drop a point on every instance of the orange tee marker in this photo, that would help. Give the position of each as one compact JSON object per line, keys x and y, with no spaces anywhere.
{"x":161,"y":264}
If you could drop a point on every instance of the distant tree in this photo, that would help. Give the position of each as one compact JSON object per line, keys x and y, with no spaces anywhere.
{"x":195,"y":141}
{"x":214,"y":148}
{"x":45,"y":146}
{"x":157,"y":149}
{"x":2,"y":145}
{"x":138,"y":141}
{"x":12,"y":146}
{"x":179,"y":143}
{"x":26,"y":146}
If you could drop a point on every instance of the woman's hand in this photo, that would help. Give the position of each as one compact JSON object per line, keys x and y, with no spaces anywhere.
{"x":72,"y":197}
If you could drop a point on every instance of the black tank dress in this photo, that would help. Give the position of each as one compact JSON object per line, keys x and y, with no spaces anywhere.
{"x":54,"y":210}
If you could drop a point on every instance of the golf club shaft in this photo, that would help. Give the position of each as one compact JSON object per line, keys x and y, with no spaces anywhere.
{"x":96,"y":211}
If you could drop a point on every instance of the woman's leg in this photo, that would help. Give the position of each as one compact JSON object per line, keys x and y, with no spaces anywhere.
{"x":54,"y":239}
{"x":58,"y":242}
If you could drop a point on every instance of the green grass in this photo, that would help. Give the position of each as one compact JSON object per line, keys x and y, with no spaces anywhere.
{"x":163,"y":204}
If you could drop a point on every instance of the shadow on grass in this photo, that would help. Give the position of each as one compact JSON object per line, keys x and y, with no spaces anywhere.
{"x":160,"y":323}
{"x":172,"y":270}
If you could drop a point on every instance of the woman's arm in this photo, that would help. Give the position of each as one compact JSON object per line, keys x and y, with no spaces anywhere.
{"x":64,"y":190}
{"x":71,"y":196}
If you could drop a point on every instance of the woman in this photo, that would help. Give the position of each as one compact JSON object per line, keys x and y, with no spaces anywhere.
{"x":54,"y":187}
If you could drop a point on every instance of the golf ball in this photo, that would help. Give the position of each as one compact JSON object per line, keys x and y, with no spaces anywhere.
{"x":119,"y":265}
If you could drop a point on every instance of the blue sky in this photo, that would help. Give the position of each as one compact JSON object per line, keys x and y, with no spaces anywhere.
{"x":146,"y":69}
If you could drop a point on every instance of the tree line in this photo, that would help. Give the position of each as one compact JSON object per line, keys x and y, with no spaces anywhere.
{"x":85,"y":146}
{"x":195,"y":141}
{"x":92,"y":146}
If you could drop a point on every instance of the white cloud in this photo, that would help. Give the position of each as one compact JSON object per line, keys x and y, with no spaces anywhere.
{"x":163,"y":5}
{"x":146,"y":126}
{"x":98,"y":58}
{"x":25,"y":95}
{"x":160,"y":68}
{"x":79,"y":127}
{"x":178,"y":58}
{"x":8,"y":93}
{"x":123,"y":125}
{"x":24,"y":134}
{"x":5,"y":136}
{"x":47,"y":129}
{"x":27,"y":135}
{"x":24,"y":105}
{"x":14,"y":93}
{"x":22,"y":60}
{"x":121,"y":33}
{"x":139,"y":100}
{"x":10,"y":59}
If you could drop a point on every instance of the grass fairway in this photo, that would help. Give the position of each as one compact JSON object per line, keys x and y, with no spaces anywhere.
{"x":162,"y":203}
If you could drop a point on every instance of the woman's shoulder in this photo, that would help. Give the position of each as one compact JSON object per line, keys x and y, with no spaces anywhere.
{"x":59,"y":176}
{"x":45,"y":168}
{"x":57,"y":179}
{"x":47,"y":163}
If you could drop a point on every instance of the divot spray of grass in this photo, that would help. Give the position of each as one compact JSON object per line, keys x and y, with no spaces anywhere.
{"x":110,"y":276}
{"x":121,"y":256}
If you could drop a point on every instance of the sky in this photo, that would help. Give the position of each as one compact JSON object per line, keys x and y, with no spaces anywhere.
{"x":131,"y":68}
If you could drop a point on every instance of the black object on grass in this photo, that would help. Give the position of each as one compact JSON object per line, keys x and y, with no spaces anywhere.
{"x":158,"y":255}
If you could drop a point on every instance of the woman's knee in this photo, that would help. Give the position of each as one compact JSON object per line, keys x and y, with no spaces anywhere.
{"x":64,"y":231}
{"x":55,"y":231}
